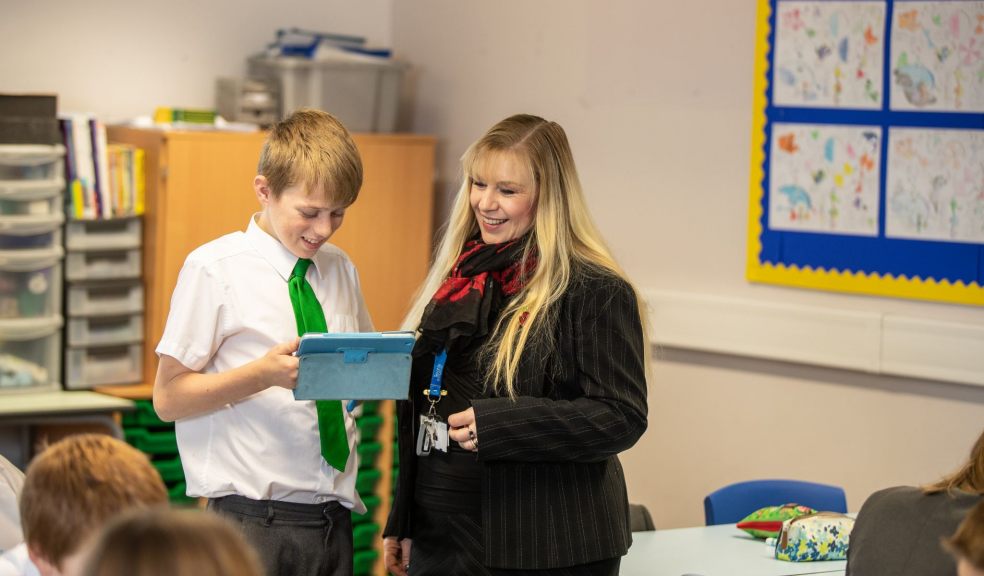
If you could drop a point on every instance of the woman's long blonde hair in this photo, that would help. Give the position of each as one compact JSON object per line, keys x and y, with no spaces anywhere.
{"x":563,"y":235}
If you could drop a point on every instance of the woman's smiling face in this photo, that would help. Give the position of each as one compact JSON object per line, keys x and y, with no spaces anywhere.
{"x":502,"y":197}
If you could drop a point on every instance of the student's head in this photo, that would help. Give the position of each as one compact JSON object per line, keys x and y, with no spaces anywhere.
{"x":170,"y":543}
{"x":967,"y":544}
{"x":74,"y":487}
{"x":309,"y":173}
{"x":969,"y":477}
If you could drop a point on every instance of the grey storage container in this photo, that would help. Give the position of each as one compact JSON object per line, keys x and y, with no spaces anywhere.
{"x":361,"y":91}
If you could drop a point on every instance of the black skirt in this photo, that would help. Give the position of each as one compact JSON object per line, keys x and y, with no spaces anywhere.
{"x":452,"y":545}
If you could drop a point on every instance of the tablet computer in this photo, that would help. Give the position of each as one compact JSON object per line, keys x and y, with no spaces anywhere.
{"x":354,"y":366}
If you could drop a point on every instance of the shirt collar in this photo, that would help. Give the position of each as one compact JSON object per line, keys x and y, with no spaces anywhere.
{"x":272,"y":250}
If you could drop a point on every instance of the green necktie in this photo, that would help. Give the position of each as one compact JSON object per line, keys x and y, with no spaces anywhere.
{"x":311,"y":318}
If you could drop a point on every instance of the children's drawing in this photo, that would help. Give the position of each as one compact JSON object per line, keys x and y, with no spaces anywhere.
{"x":935,"y":185}
{"x":829,"y":54}
{"x":824,"y":178}
{"x":938,"y":56}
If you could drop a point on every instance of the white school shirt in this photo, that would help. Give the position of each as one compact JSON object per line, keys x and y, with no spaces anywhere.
{"x":16,"y":562}
{"x":230,"y":306}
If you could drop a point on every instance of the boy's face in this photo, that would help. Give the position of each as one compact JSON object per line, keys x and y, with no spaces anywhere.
{"x":302,"y":221}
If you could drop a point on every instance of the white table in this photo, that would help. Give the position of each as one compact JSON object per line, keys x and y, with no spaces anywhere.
{"x":19,"y":411}
{"x":721,"y":550}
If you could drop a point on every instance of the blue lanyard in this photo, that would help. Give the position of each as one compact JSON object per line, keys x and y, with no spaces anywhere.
{"x":434,"y":392}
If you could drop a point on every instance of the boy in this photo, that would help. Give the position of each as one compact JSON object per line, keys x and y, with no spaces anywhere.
{"x":70,"y":491}
{"x":226,"y":357}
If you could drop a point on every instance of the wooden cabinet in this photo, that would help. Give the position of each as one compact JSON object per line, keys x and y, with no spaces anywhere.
{"x":199,"y":187}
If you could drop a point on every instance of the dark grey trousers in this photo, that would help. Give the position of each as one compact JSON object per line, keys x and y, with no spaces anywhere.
{"x":293,"y":539}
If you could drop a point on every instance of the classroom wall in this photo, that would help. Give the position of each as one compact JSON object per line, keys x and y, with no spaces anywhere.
{"x":119,"y":59}
{"x":656,"y":99}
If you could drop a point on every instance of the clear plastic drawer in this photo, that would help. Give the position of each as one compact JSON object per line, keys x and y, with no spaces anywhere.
{"x":31,"y":162}
{"x":30,"y":231}
{"x":114,"y":234}
{"x":104,"y":330}
{"x":30,"y":283}
{"x":101,"y":365}
{"x":105,"y":298}
{"x":31,"y":197}
{"x":30,"y":354}
{"x":102,"y":265}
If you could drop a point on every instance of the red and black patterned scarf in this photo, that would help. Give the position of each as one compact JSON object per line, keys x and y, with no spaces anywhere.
{"x":469,"y":301}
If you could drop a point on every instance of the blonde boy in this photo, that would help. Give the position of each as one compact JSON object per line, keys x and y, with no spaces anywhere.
{"x":226,"y":357}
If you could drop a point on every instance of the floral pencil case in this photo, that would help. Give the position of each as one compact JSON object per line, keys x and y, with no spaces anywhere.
{"x":820,"y":536}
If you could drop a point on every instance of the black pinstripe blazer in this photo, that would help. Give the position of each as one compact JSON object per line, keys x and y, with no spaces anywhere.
{"x":553,"y":491}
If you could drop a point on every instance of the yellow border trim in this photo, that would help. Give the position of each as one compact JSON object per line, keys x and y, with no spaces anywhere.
{"x":835,"y":280}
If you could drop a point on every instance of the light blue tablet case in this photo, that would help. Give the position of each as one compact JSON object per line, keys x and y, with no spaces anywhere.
{"x":354,"y":366}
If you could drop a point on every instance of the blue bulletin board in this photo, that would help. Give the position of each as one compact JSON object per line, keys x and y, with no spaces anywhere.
{"x":868,"y":148}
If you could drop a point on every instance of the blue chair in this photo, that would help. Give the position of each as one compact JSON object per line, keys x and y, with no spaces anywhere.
{"x":730,"y":504}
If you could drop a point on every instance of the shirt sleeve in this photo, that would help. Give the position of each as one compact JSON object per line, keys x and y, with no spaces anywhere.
{"x":606,"y":414}
{"x":197,"y":321}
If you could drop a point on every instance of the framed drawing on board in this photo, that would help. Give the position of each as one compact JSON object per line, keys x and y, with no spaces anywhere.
{"x":867,"y":168}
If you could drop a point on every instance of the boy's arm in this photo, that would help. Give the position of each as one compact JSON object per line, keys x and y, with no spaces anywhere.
{"x":180,"y":392}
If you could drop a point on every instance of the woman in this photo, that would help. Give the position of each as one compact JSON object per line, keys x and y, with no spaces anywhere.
{"x":898,"y":530}
{"x":529,"y":377}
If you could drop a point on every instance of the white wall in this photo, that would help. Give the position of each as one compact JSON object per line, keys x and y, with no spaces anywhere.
{"x":122,"y":58}
{"x":656,"y":99}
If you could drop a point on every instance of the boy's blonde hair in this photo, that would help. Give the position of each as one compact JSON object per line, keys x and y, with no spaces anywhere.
{"x":79,"y":483}
{"x":563,"y":236}
{"x":311,"y":147}
{"x":171,"y":542}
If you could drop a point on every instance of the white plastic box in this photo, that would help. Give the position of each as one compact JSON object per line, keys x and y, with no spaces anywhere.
{"x":113,"y":234}
{"x":105,"y":298}
{"x":97,"y":366}
{"x":102,"y":265}
{"x":30,"y":350}
{"x":362,"y":92}
{"x":104,"y":330}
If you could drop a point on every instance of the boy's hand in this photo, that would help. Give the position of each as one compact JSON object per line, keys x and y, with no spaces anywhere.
{"x":279,"y":365}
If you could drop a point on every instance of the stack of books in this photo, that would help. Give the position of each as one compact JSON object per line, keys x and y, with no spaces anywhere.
{"x":104,"y":180}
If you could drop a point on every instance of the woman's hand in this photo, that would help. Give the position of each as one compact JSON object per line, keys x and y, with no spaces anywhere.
{"x":396,"y":555}
{"x":463,"y":429}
